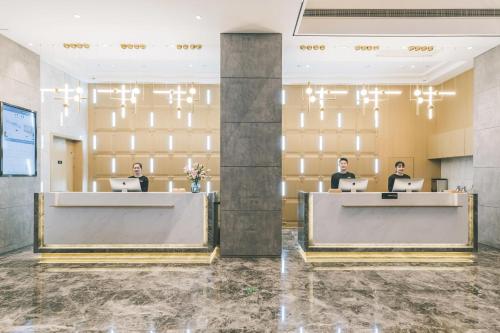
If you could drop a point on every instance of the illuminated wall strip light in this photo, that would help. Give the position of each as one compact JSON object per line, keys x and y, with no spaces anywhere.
{"x":338,"y":92}
{"x":41,"y":187}
{"x":94,"y":96}
{"x":179,"y":114}
{"x":170,"y":142}
{"x":302,"y":120}
{"x":209,"y":97}
{"x":376,"y":116}
{"x":283,"y":97}
{"x":430,"y":112}
{"x":113,"y":165}
{"x":61,"y":119}
{"x":301,"y":165}
{"x":132,"y":142}
{"x":338,"y":165}
{"x":283,"y":143}
{"x":209,"y":142}
{"x":190,"y":163}
{"x":151,"y":165}
{"x":113,"y":119}
{"x":190,"y":120}
{"x":151,"y":119}
{"x":320,"y":186}
{"x":358,"y":143}
{"x":322,"y":115}
{"x":283,"y":188}
{"x":94,"y":186}
{"x":123,"y":112}
{"x":170,"y":186}
{"x":170,"y":98}
{"x":376,"y":166}
{"x":94,"y":142}
{"x":358,"y":98}
{"x":447,"y":93}
{"x":320,"y":143}
{"x":339,"y":120}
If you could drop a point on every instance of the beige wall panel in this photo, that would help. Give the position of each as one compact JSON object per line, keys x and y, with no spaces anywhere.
{"x":177,"y":165}
{"x":198,"y":142}
{"x":331,"y":142}
{"x":213,"y":163}
{"x":102,"y":118}
{"x":293,"y":141}
{"x":121,"y":142}
{"x":289,"y":209}
{"x":162,"y":118}
{"x":163,"y":166}
{"x":347,"y":143}
{"x":104,"y":142}
{"x":365,"y":167}
{"x":366,"y":119}
{"x":143,"y":142}
{"x":215,"y":140}
{"x":158,"y":185}
{"x":310,"y":142}
{"x":292,"y":187}
{"x":103,"y":185}
{"x":328,"y":165}
{"x":160,"y":142}
{"x":124,"y":166}
{"x":311,"y":166}
{"x":291,"y":166}
{"x":368,"y":142}
{"x":348,"y":118}
{"x":180,"y":142}
{"x":141,"y":116}
{"x":102,"y":166}
{"x":105,"y":99}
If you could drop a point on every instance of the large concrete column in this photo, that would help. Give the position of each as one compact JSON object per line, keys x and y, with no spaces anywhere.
{"x":486,"y":156}
{"x":250,"y":144}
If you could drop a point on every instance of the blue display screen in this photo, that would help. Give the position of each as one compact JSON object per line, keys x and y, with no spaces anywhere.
{"x":18,"y":142}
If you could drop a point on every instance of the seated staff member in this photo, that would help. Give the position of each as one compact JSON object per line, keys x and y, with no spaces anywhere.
{"x":343,"y":163}
{"x":400,"y":168}
{"x":143,"y":180}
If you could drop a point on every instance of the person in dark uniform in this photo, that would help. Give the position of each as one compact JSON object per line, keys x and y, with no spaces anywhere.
{"x":337,"y":176}
{"x":399,"y":173}
{"x":143,"y":180}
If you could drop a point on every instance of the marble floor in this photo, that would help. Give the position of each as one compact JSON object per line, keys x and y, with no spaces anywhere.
{"x":258,"y":295}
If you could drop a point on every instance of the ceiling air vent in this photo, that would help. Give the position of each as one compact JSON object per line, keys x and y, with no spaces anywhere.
{"x":464,"y":12}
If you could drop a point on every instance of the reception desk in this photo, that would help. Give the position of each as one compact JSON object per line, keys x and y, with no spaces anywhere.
{"x":372,"y":226}
{"x":125,"y":227}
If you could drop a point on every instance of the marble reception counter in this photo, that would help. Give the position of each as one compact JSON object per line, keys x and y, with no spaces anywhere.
{"x":372,"y":226}
{"x":125,"y":227}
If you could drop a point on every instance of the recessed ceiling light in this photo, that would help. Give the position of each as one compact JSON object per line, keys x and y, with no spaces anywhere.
{"x":412,"y":66}
{"x":198,"y":17}
{"x":104,"y":45}
{"x":469,"y":48}
{"x":190,"y":65}
{"x":76,"y":16}
{"x":307,"y":66}
{"x":30,"y":44}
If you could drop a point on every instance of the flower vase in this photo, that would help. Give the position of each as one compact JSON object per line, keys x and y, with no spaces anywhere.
{"x":195,"y":187}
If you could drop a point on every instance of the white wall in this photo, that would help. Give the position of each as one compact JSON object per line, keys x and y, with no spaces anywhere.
{"x":73,"y":126}
{"x":459,"y":171}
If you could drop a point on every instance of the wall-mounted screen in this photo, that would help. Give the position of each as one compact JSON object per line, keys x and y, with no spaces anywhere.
{"x":18,"y":144}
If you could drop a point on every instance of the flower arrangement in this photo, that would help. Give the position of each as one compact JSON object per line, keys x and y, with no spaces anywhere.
{"x":196,"y":173}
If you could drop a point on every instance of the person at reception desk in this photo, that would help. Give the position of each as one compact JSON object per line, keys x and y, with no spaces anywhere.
{"x":336,"y":177}
{"x":143,"y":180}
{"x":399,"y":173}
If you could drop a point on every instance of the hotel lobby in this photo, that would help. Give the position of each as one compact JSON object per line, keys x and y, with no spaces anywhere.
{"x":250,"y":166}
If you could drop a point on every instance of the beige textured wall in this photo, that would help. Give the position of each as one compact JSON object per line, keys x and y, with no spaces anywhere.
{"x":402,"y":135}
{"x":153,"y":142}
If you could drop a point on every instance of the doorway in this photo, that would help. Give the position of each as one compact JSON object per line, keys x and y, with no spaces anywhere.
{"x":66,"y":165}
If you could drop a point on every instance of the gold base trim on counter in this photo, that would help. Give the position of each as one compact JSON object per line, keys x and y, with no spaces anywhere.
{"x":129,"y":258}
{"x":364,"y":257}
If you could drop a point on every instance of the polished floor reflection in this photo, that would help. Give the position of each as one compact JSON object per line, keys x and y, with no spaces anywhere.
{"x":260,"y":295}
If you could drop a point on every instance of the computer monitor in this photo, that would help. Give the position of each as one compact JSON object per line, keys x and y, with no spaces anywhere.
{"x":125,"y":184}
{"x":408,"y":185}
{"x":353,"y":185}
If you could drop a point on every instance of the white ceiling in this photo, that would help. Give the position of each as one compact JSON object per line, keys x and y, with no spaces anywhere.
{"x":43,"y":26}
